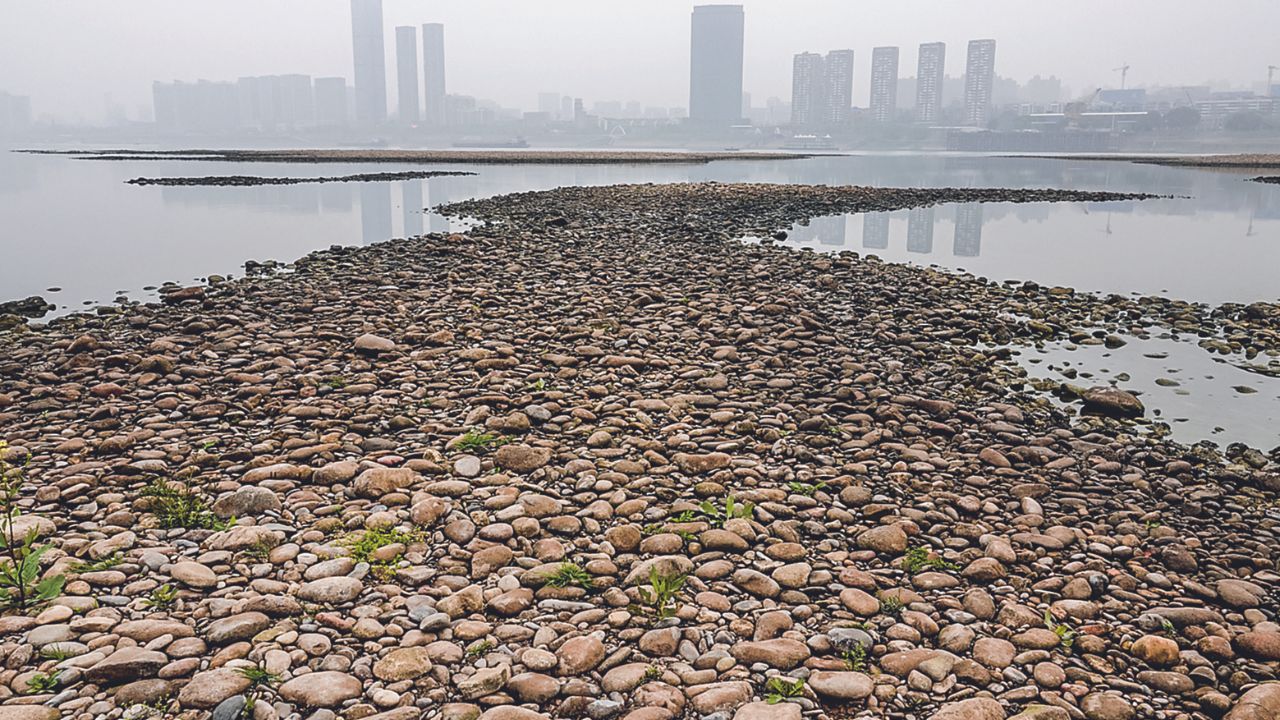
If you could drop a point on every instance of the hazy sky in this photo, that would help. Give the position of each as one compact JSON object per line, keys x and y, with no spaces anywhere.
{"x":67,"y":54}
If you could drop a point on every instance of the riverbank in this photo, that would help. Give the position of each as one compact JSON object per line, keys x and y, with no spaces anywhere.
{"x":598,"y":458}
{"x":1237,"y":161}
{"x":504,"y":157}
{"x":256,"y":180}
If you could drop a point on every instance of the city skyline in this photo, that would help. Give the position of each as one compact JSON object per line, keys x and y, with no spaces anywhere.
{"x":275,"y":42}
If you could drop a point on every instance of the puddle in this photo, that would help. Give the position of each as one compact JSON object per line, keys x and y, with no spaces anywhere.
{"x":1200,"y":395}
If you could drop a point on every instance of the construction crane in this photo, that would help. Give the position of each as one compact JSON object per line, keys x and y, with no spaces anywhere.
{"x":1074,"y":109}
{"x":1124,"y":73}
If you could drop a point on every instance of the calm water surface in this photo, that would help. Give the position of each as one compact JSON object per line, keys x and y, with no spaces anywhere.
{"x":75,"y":225}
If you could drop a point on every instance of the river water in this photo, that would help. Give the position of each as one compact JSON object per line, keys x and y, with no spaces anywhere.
{"x":75,"y":225}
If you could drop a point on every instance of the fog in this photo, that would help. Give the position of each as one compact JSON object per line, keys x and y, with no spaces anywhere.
{"x":69,"y":55}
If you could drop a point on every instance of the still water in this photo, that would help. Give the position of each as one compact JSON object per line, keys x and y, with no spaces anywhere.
{"x":76,"y":226}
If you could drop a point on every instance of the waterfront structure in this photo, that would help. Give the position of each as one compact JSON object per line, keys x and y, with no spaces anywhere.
{"x":407,"y":75}
{"x":930,"y":66}
{"x":433,"y":72}
{"x":369,"y":61}
{"x":884,"y":83}
{"x":715,"y":65}
{"x":979,"y":76}
{"x":807,"y":86}
{"x":837,"y":74}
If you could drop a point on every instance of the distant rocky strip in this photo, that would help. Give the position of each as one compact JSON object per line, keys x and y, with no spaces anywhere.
{"x":254,"y":180}
{"x":1270,"y":179}
{"x":1220,"y":162}
{"x":471,"y":157}
{"x":600,"y":460}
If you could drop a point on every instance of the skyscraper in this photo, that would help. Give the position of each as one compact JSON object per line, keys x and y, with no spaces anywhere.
{"x":929,"y":74}
{"x":715,"y":65}
{"x":369,"y":61}
{"x":884,"y":83}
{"x":433,"y":72}
{"x":837,"y":81}
{"x":549,"y":103}
{"x":807,"y":85}
{"x":407,"y":74}
{"x":979,"y":75}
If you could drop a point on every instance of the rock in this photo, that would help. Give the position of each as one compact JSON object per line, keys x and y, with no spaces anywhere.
{"x":126,"y":664}
{"x":193,"y":574}
{"x":484,"y":681}
{"x":1259,"y":703}
{"x":781,"y":653}
{"x":331,"y":590}
{"x":1155,"y":650}
{"x":321,"y":689}
{"x":1113,"y":402}
{"x":249,"y":501}
{"x":841,"y":686}
{"x":971,"y":709}
{"x":765,"y":711}
{"x":695,"y":464}
{"x":1106,"y":706}
{"x":210,"y":688}
{"x":512,"y":712}
{"x":1259,"y":645}
{"x":370,"y":344}
{"x":405,"y":663}
{"x":885,"y":539}
{"x":521,"y":458}
{"x":28,"y":712}
{"x":579,"y":655}
{"x":236,"y":627}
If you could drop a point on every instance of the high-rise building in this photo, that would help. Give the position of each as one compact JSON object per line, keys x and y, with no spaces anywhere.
{"x":407,"y":74}
{"x":715,"y":65}
{"x":549,"y":103}
{"x":566,"y":109}
{"x":369,"y":60}
{"x":433,"y":72}
{"x":929,"y":74}
{"x":979,"y":75}
{"x":837,"y":81}
{"x":884,"y":83}
{"x":807,"y":89}
{"x":331,"y":102}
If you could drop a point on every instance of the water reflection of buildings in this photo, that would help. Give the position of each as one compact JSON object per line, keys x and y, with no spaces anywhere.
{"x":920,"y":230}
{"x":968,"y":239}
{"x":921,"y":223}
{"x":875,"y":231}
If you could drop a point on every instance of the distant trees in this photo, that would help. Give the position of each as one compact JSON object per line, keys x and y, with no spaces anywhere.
{"x":1244,"y":121}
{"x":1182,"y":118}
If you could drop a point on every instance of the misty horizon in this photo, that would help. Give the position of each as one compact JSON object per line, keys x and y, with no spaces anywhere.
{"x":631,"y":54}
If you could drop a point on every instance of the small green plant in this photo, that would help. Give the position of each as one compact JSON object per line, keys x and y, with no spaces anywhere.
{"x":181,"y":507}
{"x":162,"y":597}
{"x":687,"y":516}
{"x":1166,"y":626}
{"x":362,"y":545}
{"x":538,"y":385}
{"x":335,"y":382}
{"x":473,"y":441}
{"x":105,"y":563}
{"x":260,"y":550}
{"x":1066,"y":636}
{"x":732,"y":509}
{"x":855,"y":658}
{"x":54,"y":652}
{"x":653,"y":529}
{"x":42,"y":683}
{"x":570,"y":574}
{"x":920,"y":558}
{"x":660,"y":596}
{"x":890,"y":605}
{"x":258,"y":676}
{"x":780,"y":688}
{"x":208,"y":445}
{"x":479,"y":649}
{"x":652,"y":672}
{"x":20,"y":583}
{"x":806,"y":489}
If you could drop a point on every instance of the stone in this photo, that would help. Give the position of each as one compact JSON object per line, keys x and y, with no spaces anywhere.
{"x":884,"y":539}
{"x":765,"y":711}
{"x":521,"y":458}
{"x":1155,"y":650}
{"x":971,"y":709}
{"x":210,"y":688}
{"x":1113,"y":402}
{"x":1106,"y":706}
{"x":321,"y":689}
{"x":1259,"y":703}
{"x":844,"y":686}
{"x":126,"y":664}
{"x":371,"y":344}
{"x":579,"y":655}
{"x":405,"y":663}
{"x":331,"y":590}
{"x":194,"y":575}
{"x":248,"y":501}
{"x":781,"y":653}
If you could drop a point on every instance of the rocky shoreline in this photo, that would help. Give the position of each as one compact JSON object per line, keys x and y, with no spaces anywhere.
{"x":597,"y":459}
{"x":255,"y":180}
{"x":1270,"y":179}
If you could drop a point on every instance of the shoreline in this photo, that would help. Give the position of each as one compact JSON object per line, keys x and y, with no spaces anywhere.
{"x":429,"y":447}
{"x":1245,"y":161}
{"x":256,"y":180}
